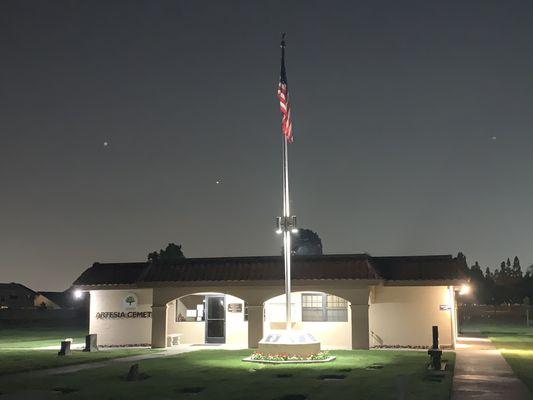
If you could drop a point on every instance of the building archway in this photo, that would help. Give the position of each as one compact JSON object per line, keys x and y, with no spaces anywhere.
{"x":255,"y":298}
{"x":324,"y":315}
{"x":207,"y":318}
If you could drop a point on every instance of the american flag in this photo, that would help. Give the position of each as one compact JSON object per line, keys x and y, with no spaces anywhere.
{"x":283,"y":96}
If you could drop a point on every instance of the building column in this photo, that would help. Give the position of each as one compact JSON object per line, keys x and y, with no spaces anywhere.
{"x":360,"y":326}
{"x":255,"y":325}
{"x":159,"y":326}
{"x":453,"y":316}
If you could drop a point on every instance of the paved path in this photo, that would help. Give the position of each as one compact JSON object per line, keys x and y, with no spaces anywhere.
{"x":481,"y":373}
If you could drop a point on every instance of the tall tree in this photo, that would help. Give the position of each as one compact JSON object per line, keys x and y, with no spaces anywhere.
{"x":476,"y":273}
{"x":482,"y":284}
{"x":305,"y":243}
{"x":172,"y":252}
{"x":516,"y":269}
{"x":503,"y":270}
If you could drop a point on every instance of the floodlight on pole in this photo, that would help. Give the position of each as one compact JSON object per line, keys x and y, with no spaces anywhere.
{"x":293,"y":226}
{"x":286,"y":224}
{"x":279,"y":225}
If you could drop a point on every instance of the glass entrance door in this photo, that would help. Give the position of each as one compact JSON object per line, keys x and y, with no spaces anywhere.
{"x":215,"y":319}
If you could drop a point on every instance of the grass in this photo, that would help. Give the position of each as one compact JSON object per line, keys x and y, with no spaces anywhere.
{"x":515,"y":342}
{"x":24,"y":338}
{"x":17,"y":346}
{"x":221,"y":374}
{"x":27,"y":360}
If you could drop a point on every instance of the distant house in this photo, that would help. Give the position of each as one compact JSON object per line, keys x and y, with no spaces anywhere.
{"x":64,"y":300}
{"x":17,"y":296}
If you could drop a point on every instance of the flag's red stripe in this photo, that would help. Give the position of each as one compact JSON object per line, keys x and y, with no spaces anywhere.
{"x":285,"y":108}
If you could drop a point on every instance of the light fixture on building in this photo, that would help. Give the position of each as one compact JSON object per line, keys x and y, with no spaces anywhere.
{"x":465,"y":289}
{"x":78,"y":294}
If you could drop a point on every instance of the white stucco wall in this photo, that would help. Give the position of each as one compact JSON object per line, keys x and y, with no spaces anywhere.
{"x":405,"y":315}
{"x":120,"y":331}
{"x":236,"y":326}
{"x":397,"y":316}
{"x":191,"y":332}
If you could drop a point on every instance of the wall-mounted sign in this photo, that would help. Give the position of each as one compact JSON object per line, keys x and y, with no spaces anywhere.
{"x":235,"y":307}
{"x":123,"y":314}
{"x":191,"y":313}
{"x":444,"y":307}
{"x":130,"y":301}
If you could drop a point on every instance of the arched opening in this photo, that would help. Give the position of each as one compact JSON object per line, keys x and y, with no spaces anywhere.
{"x":326,"y":316}
{"x":209,"y":318}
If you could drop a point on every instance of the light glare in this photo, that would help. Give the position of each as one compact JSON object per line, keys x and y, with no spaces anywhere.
{"x":465,"y":289}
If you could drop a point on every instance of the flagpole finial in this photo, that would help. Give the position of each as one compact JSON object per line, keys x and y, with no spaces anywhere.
{"x":282,"y":44}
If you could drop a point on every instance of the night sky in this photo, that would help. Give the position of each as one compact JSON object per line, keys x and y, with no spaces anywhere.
{"x":413,"y":129}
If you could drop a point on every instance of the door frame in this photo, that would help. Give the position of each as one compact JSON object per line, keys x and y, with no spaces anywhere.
{"x":215,"y":339}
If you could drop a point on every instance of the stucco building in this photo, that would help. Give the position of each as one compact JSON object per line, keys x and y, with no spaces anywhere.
{"x":346,"y":301}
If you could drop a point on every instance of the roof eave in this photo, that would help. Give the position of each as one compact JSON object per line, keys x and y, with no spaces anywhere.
{"x":426,"y":282}
{"x":106,"y":286}
{"x":226,"y":283}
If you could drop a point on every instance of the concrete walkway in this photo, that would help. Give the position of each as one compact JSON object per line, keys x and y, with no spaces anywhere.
{"x":481,"y":373}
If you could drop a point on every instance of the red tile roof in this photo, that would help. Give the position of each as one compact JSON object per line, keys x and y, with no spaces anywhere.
{"x":338,"y":267}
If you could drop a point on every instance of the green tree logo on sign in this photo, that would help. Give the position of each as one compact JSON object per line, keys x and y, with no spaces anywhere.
{"x":130,"y":301}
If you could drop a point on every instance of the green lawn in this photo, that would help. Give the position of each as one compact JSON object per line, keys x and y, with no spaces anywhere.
{"x":24,"y":338}
{"x":27,"y":360}
{"x":16,"y":344}
{"x":516,"y":345}
{"x":222,"y":375}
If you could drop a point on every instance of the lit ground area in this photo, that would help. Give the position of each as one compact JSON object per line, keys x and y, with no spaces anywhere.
{"x":28,"y":337}
{"x":220,"y":374}
{"x":515,"y":342}
{"x":18,"y":344}
{"x":27,"y":360}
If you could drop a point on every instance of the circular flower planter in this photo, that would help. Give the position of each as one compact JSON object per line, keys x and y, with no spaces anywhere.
{"x":288,"y":361}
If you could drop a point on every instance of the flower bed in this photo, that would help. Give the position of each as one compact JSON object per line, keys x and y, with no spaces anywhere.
{"x":322,"y":356}
{"x":401,"y":346}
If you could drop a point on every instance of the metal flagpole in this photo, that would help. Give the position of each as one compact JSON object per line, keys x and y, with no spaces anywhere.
{"x":286,"y":233}
{"x":287,"y":221}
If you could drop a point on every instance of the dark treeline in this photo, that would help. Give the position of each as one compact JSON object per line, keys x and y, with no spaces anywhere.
{"x":508,"y":284}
